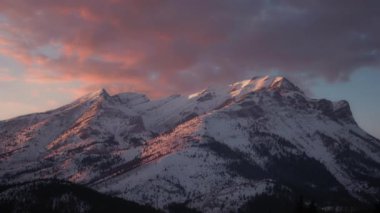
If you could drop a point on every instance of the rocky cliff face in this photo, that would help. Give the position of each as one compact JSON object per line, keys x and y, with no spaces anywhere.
{"x":211,"y":150}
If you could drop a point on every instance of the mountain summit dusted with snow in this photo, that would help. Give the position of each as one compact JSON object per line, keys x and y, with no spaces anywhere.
{"x":213,"y":150}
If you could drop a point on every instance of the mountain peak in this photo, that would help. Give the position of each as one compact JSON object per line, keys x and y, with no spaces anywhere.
{"x":258,"y":83}
{"x":283,"y":83}
{"x":100,"y":93}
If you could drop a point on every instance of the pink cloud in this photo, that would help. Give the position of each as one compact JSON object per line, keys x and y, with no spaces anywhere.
{"x":6,"y":75}
{"x":119,"y":45}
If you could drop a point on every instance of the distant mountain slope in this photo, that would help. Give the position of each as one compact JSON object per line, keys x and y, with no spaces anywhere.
{"x":212,"y":150}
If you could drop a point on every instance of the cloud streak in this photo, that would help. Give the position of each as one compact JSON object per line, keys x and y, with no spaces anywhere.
{"x":162,"y":47}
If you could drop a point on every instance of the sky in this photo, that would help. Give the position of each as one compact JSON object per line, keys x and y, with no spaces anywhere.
{"x":52,"y":52}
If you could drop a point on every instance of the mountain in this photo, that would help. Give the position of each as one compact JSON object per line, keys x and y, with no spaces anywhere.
{"x":214,"y":150}
{"x":56,"y":196}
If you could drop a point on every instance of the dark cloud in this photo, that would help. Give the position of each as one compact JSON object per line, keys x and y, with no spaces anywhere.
{"x":176,"y":46}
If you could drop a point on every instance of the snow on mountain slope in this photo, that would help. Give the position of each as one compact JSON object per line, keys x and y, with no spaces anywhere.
{"x":213,"y":149}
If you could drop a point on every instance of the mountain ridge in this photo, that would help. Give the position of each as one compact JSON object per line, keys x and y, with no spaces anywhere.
{"x":209,"y":148}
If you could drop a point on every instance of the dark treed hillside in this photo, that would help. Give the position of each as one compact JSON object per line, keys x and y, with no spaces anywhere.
{"x":58,"y":196}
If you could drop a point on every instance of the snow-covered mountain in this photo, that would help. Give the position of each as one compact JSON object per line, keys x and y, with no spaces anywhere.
{"x":212,"y":150}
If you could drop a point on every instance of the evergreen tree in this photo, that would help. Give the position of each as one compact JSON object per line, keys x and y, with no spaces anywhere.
{"x":377,"y":208}
{"x":312,"y":208}
{"x":300,"y":205}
